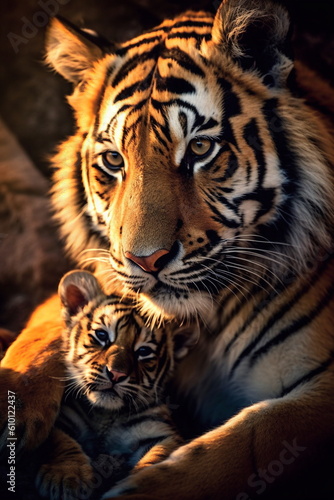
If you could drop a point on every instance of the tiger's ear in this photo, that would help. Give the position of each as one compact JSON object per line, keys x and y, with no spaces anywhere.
{"x":76,"y":289}
{"x":185,"y":337}
{"x":72,"y":51}
{"x":255,"y":34}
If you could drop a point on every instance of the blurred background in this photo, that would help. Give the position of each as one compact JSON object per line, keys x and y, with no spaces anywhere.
{"x":35,"y":117}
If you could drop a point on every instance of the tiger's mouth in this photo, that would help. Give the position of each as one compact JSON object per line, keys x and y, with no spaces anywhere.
{"x":178,"y":290}
{"x":119,"y":398}
{"x":165,"y":302}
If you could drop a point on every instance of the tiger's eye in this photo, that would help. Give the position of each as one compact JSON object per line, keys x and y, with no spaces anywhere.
{"x":144,"y":351}
{"x":200,"y":147}
{"x":102,"y":335}
{"x":112,"y":160}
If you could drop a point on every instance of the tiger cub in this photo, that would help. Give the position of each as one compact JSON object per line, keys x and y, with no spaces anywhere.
{"x":111,"y":419}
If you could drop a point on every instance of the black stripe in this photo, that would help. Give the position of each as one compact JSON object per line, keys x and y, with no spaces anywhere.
{"x":190,"y":34}
{"x":138,"y":43}
{"x":199,"y":119}
{"x":77,"y":330}
{"x":232,"y":206}
{"x":192,"y":24}
{"x":308,"y":376}
{"x":156,"y":126}
{"x":101,"y":97}
{"x":196,"y":21}
{"x":174,"y":85}
{"x":116,"y":301}
{"x":125,"y":107}
{"x":129,"y":133}
{"x":212,"y":163}
{"x":280,"y":228}
{"x":250,"y":318}
{"x":94,"y":341}
{"x":111,"y":177}
{"x":249,"y":171}
{"x":139,"y":86}
{"x":293,"y":328}
{"x":231,"y":168}
{"x":133,"y":63}
{"x":209,"y":124}
{"x":278,"y":315}
{"x":251,"y":134}
{"x":203,"y":251}
{"x":80,"y":193}
{"x":183,"y":60}
{"x":257,"y":309}
{"x":265,"y":198}
{"x":90,"y":348}
{"x":231,"y":106}
{"x":219,"y":217}
{"x":183,"y":120}
{"x":122,"y":322}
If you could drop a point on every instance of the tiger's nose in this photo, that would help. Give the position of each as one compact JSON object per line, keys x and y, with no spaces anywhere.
{"x":150,"y":263}
{"x":115,"y":376}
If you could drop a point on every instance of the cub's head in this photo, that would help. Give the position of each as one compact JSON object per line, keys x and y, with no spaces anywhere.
{"x":194,"y":170}
{"x":112,"y":357}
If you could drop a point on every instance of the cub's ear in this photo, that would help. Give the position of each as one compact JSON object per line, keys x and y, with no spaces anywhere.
{"x":256,"y":35}
{"x":72,"y":51}
{"x":185,"y":337}
{"x":76,"y":289}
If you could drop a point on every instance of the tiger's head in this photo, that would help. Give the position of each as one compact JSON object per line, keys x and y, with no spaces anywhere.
{"x":194,"y":170}
{"x":112,"y":357}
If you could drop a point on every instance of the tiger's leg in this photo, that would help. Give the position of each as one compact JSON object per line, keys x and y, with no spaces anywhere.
{"x":231,"y":461}
{"x":68,"y":474}
{"x":158,"y":452}
{"x":31,"y":375}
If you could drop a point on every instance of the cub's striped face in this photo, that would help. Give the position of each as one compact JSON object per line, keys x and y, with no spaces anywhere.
{"x":182,"y":171}
{"x":115,"y":360}
{"x":112,"y":358}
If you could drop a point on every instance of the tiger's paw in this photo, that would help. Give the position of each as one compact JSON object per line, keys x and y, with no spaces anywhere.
{"x":146,"y":482}
{"x":124,"y":487}
{"x":165,"y":480}
{"x":65,"y":480}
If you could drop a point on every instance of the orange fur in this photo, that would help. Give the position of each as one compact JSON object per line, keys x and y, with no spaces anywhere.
{"x":32,"y":368}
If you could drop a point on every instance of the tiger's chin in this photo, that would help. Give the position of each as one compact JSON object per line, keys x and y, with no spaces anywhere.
{"x":106,"y":399}
{"x":169,"y":303}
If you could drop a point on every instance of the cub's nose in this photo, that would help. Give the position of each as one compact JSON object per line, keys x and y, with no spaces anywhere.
{"x":115,"y":376}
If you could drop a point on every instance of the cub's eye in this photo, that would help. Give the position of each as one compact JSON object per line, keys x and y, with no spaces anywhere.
{"x":200,"y":146}
{"x":101,"y":335}
{"x":144,"y":352}
{"x":112,"y":160}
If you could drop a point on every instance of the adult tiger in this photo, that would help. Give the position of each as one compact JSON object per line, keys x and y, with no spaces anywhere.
{"x":199,"y":179}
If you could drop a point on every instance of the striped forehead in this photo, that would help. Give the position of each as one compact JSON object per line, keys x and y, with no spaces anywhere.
{"x":112,"y":318}
{"x":163,"y":74}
